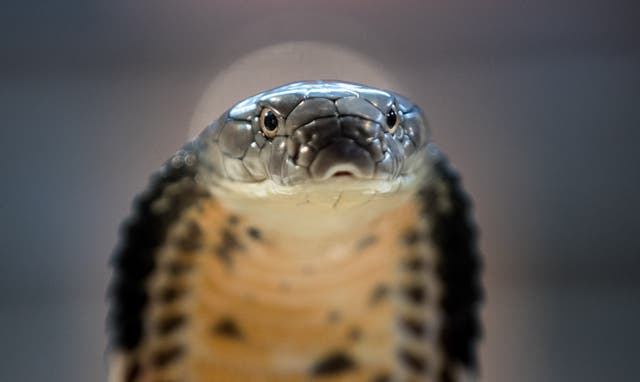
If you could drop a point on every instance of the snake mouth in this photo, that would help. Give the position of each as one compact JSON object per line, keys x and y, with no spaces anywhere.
{"x":342,"y":158}
{"x":340,"y":174}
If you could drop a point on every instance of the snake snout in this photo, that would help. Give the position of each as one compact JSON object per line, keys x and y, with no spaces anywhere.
{"x":342,"y":157}
{"x":350,"y":136}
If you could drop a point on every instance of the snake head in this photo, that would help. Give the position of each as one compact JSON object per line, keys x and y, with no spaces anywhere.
{"x":313,"y":131}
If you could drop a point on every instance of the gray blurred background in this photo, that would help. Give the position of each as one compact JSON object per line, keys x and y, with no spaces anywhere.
{"x":537,"y":103}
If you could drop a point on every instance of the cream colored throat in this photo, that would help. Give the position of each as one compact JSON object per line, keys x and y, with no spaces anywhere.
{"x":318,"y":210}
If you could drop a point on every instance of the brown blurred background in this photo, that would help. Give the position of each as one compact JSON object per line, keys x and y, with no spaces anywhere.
{"x":537,"y":103}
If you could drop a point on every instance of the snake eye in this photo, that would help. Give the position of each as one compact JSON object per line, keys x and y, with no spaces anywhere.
{"x":269,"y":122}
{"x":392,"y":120}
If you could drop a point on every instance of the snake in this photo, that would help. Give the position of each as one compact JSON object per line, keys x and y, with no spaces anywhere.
{"x":313,"y":232}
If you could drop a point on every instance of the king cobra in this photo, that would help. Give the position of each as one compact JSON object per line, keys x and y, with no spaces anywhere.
{"x":314,"y":232}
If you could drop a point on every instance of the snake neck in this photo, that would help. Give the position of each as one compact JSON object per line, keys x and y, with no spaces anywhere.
{"x":264,"y":304}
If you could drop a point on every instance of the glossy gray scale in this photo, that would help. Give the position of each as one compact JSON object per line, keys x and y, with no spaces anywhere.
{"x":324,"y":128}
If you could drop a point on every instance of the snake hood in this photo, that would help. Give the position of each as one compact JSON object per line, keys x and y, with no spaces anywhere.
{"x":311,"y":233}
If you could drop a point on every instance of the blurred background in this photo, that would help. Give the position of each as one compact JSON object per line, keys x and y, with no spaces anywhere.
{"x":537,"y":103}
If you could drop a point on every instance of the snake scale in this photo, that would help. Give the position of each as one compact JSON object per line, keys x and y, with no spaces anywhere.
{"x":314,"y":232}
